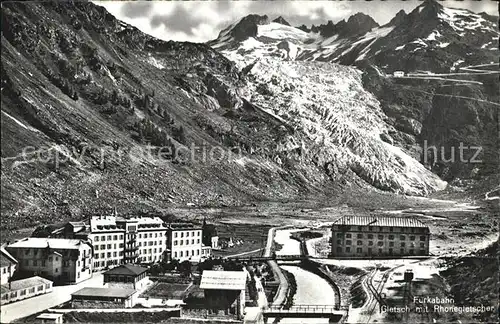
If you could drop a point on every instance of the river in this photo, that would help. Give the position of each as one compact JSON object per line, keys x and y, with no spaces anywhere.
{"x":311,"y":289}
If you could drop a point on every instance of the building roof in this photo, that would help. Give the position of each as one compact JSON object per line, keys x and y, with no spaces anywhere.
{"x":184,"y":226}
{"x":127,"y":270}
{"x":104,"y":292}
{"x":43,"y":242}
{"x":25,"y":283}
{"x":6,"y":258}
{"x":380,"y":221}
{"x":51,"y":316}
{"x":223,"y":280}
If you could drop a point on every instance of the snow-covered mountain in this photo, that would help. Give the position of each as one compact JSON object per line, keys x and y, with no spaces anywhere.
{"x":415,"y":39}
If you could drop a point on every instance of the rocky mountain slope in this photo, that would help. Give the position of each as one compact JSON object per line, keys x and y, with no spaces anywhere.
{"x":443,"y":111}
{"x":97,"y":115}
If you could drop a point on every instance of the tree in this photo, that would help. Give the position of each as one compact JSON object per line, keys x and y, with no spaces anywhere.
{"x":185,"y":268}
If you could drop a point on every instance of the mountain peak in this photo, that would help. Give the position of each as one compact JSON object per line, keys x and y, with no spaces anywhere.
{"x":430,"y":7}
{"x":247,"y":26}
{"x":281,"y":20}
{"x":398,"y":19}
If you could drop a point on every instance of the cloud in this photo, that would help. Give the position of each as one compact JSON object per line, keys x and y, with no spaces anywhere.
{"x":136,"y":9}
{"x":200,"y":21}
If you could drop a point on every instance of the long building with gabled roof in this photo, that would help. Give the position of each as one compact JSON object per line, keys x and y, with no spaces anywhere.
{"x":379,"y":236}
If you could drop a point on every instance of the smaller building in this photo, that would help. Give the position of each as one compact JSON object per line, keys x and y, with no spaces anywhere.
{"x":224,"y":291}
{"x":127,"y":276}
{"x":103,"y":298}
{"x":8,"y":266}
{"x":24,"y":288}
{"x":50,"y":318}
{"x":399,"y":74}
{"x":206,"y":251}
{"x":64,"y":260}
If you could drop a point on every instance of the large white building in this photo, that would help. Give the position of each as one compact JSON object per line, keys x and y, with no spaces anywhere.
{"x":65,"y":260}
{"x":184,"y":242}
{"x":119,"y":240}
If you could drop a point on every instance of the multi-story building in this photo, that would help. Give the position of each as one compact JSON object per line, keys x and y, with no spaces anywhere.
{"x":65,"y":260}
{"x":120,"y":240}
{"x":184,"y":241}
{"x":136,"y":240}
{"x":7,"y":266}
{"x":381,"y":236}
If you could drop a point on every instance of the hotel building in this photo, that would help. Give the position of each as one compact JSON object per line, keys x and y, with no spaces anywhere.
{"x":64,"y":260}
{"x":380,"y":236}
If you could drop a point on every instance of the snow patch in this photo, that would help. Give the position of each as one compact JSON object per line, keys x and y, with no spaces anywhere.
{"x":154,"y":62}
{"x":17,"y":121}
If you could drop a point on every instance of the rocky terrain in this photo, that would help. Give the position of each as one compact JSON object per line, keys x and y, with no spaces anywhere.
{"x":421,"y":112}
{"x":98,"y":115}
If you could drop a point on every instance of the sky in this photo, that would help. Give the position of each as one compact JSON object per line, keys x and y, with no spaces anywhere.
{"x":200,"y":21}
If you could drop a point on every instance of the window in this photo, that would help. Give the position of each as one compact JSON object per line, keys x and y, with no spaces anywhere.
{"x":109,"y":254}
{"x":114,"y":254}
{"x":32,"y":290}
{"x":198,"y":241}
{"x":402,"y":238}
{"x":57,"y":270}
{"x":412,"y":238}
{"x":380,"y":243}
{"x":370,"y":243}
{"x":370,"y":236}
{"x":181,"y":254}
{"x":181,"y":242}
{"x":13,"y":294}
{"x":339,"y":249}
{"x":403,"y":244}
{"x":35,"y":263}
{"x":422,"y":252}
{"x":109,"y":246}
{"x":339,"y":242}
{"x":402,"y":251}
{"x":360,"y":236}
{"x":175,"y":234}
{"x":115,"y":237}
{"x":391,"y":243}
{"x":348,"y":242}
{"x":121,"y":245}
{"x":348,"y":235}
{"x":23,"y":292}
{"x":103,"y":238}
{"x":390,"y":251}
{"x":339,"y":234}
{"x":109,"y":237}
{"x":192,"y":241}
{"x":96,"y":256}
{"x":422,"y":238}
{"x":175,"y":242}
{"x":391,"y":237}
{"x":4,"y":270}
{"x":121,"y":236}
{"x":103,"y":246}
{"x":379,"y":251}
{"x":360,"y":228}
{"x":391,"y":229}
{"x":197,"y":252}
{"x":156,"y":235}
{"x":359,"y":250}
{"x":422,"y":245}
{"x":348,"y":249}
{"x":198,"y":233}
{"x":360,"y":243}
{"x":412,"y":251}
{"x":370,"y":228}
{"x":96,"y":247}
{"x":380,"y":228}
{"x":381,"y":237}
